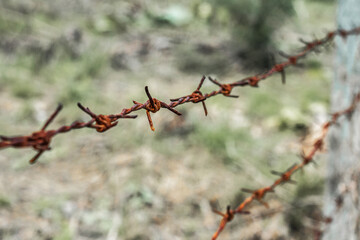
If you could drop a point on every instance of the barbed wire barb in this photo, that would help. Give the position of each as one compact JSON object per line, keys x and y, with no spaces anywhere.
{"x":103,"y":123}
{"x":227,"y":217}
{"x":285,"y":177}
{"x":40,"y":140}
{"x":194,"y":97}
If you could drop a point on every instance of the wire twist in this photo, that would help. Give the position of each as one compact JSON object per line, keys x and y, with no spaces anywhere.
{"x":285,"y":177}
{"x":40,"y":140}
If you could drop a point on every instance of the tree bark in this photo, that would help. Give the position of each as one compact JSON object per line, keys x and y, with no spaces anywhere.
{"x":343,"y":173}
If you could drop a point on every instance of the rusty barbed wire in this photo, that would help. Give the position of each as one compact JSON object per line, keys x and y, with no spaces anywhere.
{"x":285,"y":177}
{"x":40,"y":140}
{"x":195,"y":97}
{"x":103,"y":122}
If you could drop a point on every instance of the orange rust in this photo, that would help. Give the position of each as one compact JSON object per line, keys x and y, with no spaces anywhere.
{"x":40,"y":140}
{"x":285,"y":177}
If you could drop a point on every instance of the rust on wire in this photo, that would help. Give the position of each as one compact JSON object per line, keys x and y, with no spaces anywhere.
{"x":259,"y":194}
{"x":40,"y":140}
{"x":103,"y":123}
{"x":225,"y":89}
{"x":195,"y":97}
{"x":228,"y":216}
{"x":285,"y":177}
{"x":153,"y":105}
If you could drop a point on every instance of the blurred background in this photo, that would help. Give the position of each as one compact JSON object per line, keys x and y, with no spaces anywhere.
{"x":134,"y":184}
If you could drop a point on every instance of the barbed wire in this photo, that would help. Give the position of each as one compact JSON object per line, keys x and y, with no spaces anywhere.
{"x":40,"y":140}
{"x":285,"y":177}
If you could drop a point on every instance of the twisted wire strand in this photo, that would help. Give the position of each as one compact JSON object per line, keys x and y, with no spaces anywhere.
{"x":285,"y":177}
{"x":40,"y":140}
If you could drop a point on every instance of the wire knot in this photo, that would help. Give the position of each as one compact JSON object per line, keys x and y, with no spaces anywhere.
{"x":197,"y":96}
{"x":102,"y":122}
{"x":253,"y":81}
{"x":153,"y":106}
{"x":41,"y":140}
{"x":228,"y":216}
{"x":225,"y":89}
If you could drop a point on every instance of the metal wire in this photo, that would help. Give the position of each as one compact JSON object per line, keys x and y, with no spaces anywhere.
{"x":40,"y":140}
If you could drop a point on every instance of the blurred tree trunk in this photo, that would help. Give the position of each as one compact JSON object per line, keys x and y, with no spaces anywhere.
{"x":343,"y":175}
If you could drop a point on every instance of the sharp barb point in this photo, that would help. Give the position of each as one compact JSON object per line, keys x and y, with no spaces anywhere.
{"x":149,"y":96}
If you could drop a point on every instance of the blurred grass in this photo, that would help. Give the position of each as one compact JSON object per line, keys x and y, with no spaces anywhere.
{"x":159,"y":184}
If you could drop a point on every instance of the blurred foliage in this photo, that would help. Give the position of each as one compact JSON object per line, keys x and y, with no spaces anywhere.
{"x":297,"y":216}
{"x":4,"y":202}
{"x":324,"y":1}
{"x":103,"y":53}
{"x":12,"y":24}
{"x":202,"y":58}
{"x":309,"y":186}
{"x":252,"y":24}
{"x":222,"y":140}
{"x":175,"y":15}
{"x":263,"y":104}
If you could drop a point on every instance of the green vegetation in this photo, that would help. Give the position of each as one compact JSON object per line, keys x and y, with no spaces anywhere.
{"x":252,"y":25}
{"x":132,"y":182}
